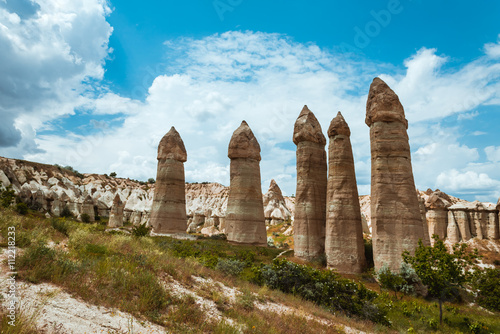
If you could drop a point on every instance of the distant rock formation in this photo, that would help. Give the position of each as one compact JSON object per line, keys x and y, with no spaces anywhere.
{"x":168,"y":213}
{"x":396,"y":220}
{"x":245,"y":222}
{"x":344,"y":246}
{"x":275,"y":210}
{"x":87,"y":208}
{"x":437,"y":214}
{"x":310,"y":201}
{"x":116,"y":214}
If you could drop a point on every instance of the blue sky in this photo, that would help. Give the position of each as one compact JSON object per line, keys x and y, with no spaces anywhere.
{"x":96,"y":84}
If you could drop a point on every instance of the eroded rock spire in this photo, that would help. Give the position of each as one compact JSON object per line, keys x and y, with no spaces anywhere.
{"x":310,"y":201}
{"x":396,"y":220}
{"x":245,"y":222}
{"x":344,"y":246}
{"x":168,"y":213}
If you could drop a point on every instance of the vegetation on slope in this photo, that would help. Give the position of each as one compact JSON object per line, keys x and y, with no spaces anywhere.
{"x":130,"y":273}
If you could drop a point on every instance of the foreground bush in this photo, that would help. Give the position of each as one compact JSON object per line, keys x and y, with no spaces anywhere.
{"x":487,"y":283}
{"x":323,"y":287}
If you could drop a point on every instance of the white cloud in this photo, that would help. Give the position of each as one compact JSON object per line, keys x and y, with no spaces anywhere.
{"x":493,"y":49}
{"x":48,"y":49}
{"x":217,"y":81}
{"x":467,"y":116}
{"x":468,"y":183}
{"x":493,"y":153}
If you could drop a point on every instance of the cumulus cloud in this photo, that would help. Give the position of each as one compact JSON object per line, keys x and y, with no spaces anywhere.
{"x":469,"y":183}
{"x":493,"y":153}
{"x":49,"y":49}
{"x":213,"y":83}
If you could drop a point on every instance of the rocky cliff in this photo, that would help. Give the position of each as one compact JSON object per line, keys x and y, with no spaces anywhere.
{"x":49,"y":188}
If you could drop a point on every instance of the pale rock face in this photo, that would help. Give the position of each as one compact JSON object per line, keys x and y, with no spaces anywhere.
{"x":437,"y":214}
{"x":459,"y":212}
{"x":116,"y":214}
{"x":87,"y":207}
{"x":168,"y":213}
{"x":310,"y":200}
{"x":396,"y":220}
{"x":275,"y":209}
{"x":452,"y":231}
{"x":344,"y":246}
{"x":245,"y":222}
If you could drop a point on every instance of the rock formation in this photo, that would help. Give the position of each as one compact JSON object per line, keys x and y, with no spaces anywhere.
{"x":116,"y":214}
{"x":344,"y":246}
{"x":87,"y":208}
{"x":245,"y":222}
{"x":421,"y":205}
{"x":452,"y":230}
{"x":396,"y":220}
{"x":459,"y":212}
{"x":437,"y":214}
{"x":310,"y":201}
{"x":275,"y":210}
{"x":168,"y":213}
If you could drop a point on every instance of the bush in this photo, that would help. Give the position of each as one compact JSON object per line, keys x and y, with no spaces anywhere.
{"x":66,"y":213}
{"x":112,"y":174}
{"x":22,"y":208}
{"x":151,"y":180}
{"x":7,"y":196}
{"x":407,"y":281}
{"x":230,"y":267}
{"x":141,"y":230}
{"x":323,"y":287}
{"x":487,"y":283}
{"x":85,"y":218}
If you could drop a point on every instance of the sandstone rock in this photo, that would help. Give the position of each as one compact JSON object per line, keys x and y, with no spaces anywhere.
{"x":344,"y":246}
{"x":459,"y":212}
{"x":116,"y":215}
{"x":168,"y":213}
{"x":275,"y":210}
{"x":87,"y":207}
{"x":452,"y":230}
{"x":199,"y":219}
{"x":245,"y":222}
{"x":310,"y":200}
{"x":421,"y":204}
{"x":437,"y":214}
{"x":396,"y":220}
{"x":493,"y":226}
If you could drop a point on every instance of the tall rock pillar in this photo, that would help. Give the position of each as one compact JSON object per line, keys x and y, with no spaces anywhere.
{"x":344,"y":246}
{"x":310,"y":201}
{"x":437,"y":214}
{"x":168,"y":213}
{"x":116,"y":213}
{"x":245,"y":222}
{"x":396,"y":220}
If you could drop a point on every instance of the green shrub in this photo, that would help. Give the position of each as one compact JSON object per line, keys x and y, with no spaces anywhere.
{"x":7,"y":196}
{"x":85,"y":218}
{"x":141,"y":230}
{"x":60,"y":225}
{"x":323,"y":287}
{"x":487,"y":284}
{"x":230,"y":267}
{"x":66,"y":212}
{"x":22,"y":208}
{"x":389,"y":280}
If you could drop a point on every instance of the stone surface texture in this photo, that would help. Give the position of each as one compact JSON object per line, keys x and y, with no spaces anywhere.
{"x":116,"y":213}
{"x":437,"y":214}
{"x":245,"y":222}
{"x":396,"y":220}
{"x":168,"y":212}
{"x":310,"y":201}
{"x":275,"y":209}
{"x":344,"y":246}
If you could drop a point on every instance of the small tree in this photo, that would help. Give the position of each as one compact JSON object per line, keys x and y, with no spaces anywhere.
{"x":112,"y":174}
{"x":442,"y":272}
{"x":7,"y":196}
{"x":151,"y":180}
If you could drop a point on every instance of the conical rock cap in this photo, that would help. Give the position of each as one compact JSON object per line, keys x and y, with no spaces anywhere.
{"x":243,"y":144}
{"x":172,"y":147}
{"x":307,"y":128}
{"x":338,"y":126}
{"x":383,"y":105}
